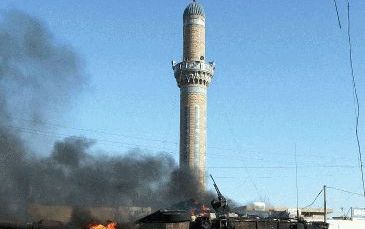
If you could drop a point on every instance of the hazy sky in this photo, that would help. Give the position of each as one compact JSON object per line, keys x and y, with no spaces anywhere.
{"x":282,"y":79}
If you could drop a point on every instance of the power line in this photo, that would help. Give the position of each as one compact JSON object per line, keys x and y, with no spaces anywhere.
{"x":281,"y":167}
{"x":119,"y":143}
{"x":52,"y":134}
{"x":356,"y":98}
{"x":52,"y":124}
{"x":37,"y":131}
{"x":334,"y":188}
{"x":338,"y":17}
{"x":144,"y":138}
{"x":99,"y":131}
{"x":249,"y":177}
{"x":345,"y":191}
{"x":315,"y":199}
{"x":232,"y":176}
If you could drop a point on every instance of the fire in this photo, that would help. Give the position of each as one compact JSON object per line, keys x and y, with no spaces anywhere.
{"x":204,"y":211}
{"x":111,"y":225}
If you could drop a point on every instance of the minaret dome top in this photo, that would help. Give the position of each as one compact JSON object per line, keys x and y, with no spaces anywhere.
{"x":194,"y":8}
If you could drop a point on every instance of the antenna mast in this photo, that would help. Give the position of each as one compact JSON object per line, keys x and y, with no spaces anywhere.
{"x":296,"y":178}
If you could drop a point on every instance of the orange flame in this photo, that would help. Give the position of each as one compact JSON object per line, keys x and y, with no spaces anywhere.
{"x":111,"y":225}
{"x":204,"y":210}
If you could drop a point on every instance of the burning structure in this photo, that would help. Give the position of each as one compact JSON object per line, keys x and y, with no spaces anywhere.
{"x":193,"y":76}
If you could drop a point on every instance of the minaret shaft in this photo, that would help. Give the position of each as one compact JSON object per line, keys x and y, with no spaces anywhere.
{"x":193,"y":106}
{"x":194,"y":38}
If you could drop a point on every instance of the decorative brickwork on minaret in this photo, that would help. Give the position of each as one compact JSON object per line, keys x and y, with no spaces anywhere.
{"x":193,"y":76}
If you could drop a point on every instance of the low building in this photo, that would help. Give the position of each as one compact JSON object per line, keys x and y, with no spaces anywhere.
{"x":258,"y":209}
{"x":308,"y":214}
{"x":355,"y":221}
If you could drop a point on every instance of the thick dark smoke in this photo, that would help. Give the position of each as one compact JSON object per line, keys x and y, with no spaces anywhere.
{"x":36,"y":74}
{"x":77,"y":178}
{"x":73,"y":175}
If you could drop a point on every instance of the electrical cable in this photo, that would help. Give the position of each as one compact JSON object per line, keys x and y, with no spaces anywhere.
{"x":338,"y":17}
{"x":249,"y":176}
{"x":268,"y":177}
{"x":315,"y":199}
{"x":345,"y":191}
{"x":356,"y":98}
{"x":97,"y":131}
{"x":104,"y":132}
{"x":52,"y":134}
{"x":281,"y":167}
{"x":117,"y":142}
{"x":32,"y":130}
{"x":144,"y":138}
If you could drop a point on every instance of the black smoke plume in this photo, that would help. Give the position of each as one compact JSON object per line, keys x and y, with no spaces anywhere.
{"x":37,"y":73}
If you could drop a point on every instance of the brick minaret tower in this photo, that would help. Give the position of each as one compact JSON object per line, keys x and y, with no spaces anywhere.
{"x":193,"y":76}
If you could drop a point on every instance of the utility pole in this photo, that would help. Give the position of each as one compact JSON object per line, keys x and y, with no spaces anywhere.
{"x":324,"y":204}
{"x":296,"y":178}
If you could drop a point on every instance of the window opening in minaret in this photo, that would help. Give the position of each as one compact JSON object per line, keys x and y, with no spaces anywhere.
{"x":187,"y":132}
{"x":197,"y":138}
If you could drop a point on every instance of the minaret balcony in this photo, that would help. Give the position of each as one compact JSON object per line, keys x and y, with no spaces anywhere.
{"x":196,"y":66}
{"x":198,"y":73}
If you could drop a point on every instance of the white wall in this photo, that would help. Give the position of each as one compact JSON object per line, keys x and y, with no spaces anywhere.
{"x":346,"y":224}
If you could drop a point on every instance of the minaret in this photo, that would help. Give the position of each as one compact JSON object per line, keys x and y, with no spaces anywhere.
{"x":193,"y":76}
